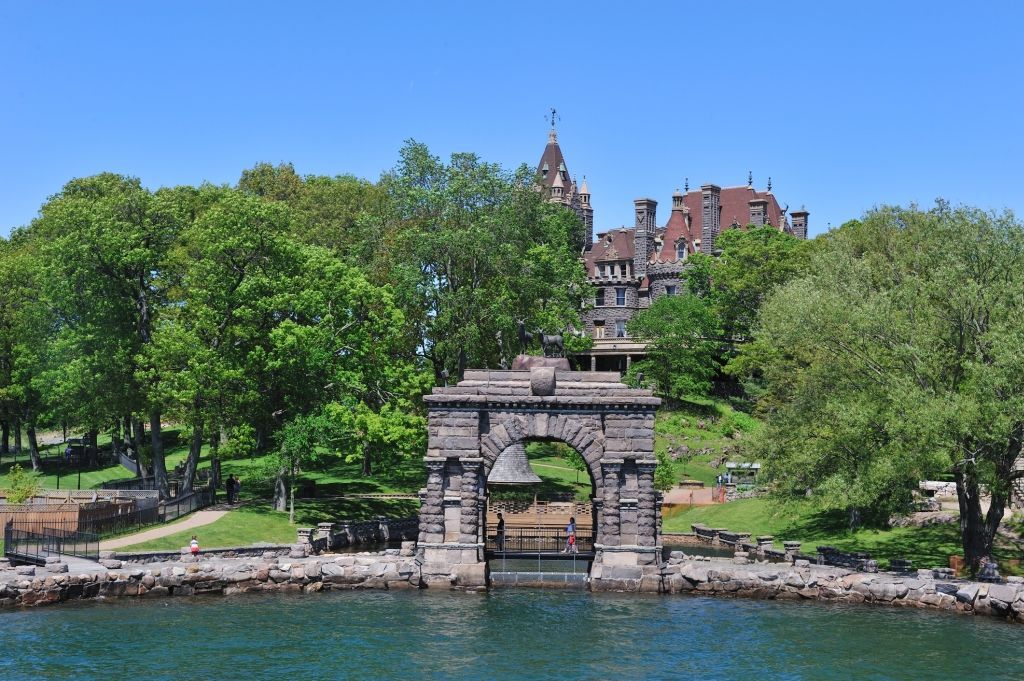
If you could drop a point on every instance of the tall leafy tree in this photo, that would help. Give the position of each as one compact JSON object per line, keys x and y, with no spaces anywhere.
{"x":103,"y":243}
{"x":683,"y":336}
{"x":897,"y":357}
{"x":474,"y":249}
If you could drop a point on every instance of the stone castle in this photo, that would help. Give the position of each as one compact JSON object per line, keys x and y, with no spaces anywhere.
{"x":630,"y":267}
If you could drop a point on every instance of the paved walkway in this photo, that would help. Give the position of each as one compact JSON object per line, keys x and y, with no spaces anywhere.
{"x":197,"y":519}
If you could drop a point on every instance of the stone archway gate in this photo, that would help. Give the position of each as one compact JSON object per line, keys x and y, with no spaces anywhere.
{"x":610,"y":424}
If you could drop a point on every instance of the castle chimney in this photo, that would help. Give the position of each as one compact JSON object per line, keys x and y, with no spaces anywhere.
{"x":588,"y":213}
{"x":758,"y":211}
{"x":710,"y":219}
{"x":643,"y":234}
{"x":800,"y":223}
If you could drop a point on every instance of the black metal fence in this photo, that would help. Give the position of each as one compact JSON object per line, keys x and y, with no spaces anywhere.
{"x":36,"y":546}
{"x":179,"y":506}
{"x":539,"y":540}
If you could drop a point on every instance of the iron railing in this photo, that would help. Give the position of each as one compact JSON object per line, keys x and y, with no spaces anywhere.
{"x":179,"y":506}
{"x":538,"y":540}
{"x":36,"y":546}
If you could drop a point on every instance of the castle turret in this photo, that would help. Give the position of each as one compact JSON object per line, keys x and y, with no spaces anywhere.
{"x":557,"y":188}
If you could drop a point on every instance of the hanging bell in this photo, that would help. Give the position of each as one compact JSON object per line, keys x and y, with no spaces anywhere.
{"x":512,"y":468}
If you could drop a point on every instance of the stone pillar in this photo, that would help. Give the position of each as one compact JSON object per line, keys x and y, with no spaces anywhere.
{"x":432,"y":508}
{"x":470,"y":493}
{"x":646,"y":513}
{"x":593,"y":362}
{"x":610,"y":504}
{"x":325,"y":531}
{"x":629,"y":361}
{"x":303,"y":535}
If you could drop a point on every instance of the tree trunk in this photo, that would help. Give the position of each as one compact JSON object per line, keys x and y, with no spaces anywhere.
{"x":138,"y":437}
{"x":291,"y":495}
{"x":977,"y":530}
{"x":33,"y":447}
{"x":116,"y":441}
{"x":193,"y":457}
{"x":93,"y":450}
{"x":854,"y":518}
{"x":157,"y":453}
{"x":17,"y":437}
{"x":215,"y":458}
{"x":261,"y":442}
{"x":5,"y":439}
{"x":280,"y":491}
{"x":367,"y":461}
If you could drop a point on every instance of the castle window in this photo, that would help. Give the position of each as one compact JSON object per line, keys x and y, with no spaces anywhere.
{"x":670,"y":290}
{"x":599,"y":329}
{"x":600,"y":270}
{"x":599,"y":298}
{"x":620,"y":328}
{"x":681,"y":250}
{"x":620,"y":296}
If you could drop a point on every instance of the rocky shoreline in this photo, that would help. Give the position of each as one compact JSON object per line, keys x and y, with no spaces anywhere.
{"x":401,"y":569}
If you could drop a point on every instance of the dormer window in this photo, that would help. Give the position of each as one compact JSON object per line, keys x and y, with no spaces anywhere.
{"x":681,"y":250}
{"x":600,"y":270}
{"x":544,"y":169}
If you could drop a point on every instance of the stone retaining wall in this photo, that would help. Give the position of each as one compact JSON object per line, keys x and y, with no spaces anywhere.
{"x":803,"y":581}
{"x":392,"y":569}
{"x":400,"y":569}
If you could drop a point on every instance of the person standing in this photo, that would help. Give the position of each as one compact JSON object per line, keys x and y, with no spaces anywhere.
{"x":194,"y":547}
{"x":501,"y":532}
{"x":570,"y":536}
{"x":229,"y":487}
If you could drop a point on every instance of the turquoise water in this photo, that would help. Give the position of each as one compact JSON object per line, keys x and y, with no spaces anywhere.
{"x":504,"y":634}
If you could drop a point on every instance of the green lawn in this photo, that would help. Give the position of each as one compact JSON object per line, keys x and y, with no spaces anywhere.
{"x":925,"y":546}
{"x":698,"y":425}
{"x":62,"y":476}
{"x":243,"y":526}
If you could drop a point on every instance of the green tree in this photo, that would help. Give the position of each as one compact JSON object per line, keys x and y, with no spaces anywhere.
{"x":665,"y":472}
{"x":474,"y":248}
{"x":683,"y":339}
{"x":896,"y":358}
{"x":103,"y":242}
{"x":21,"y":485}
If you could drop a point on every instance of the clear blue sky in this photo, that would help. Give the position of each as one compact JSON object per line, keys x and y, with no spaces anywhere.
{"x":845,"y":105}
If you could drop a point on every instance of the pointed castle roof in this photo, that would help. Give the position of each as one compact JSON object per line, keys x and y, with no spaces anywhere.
{"x":552,"y":163}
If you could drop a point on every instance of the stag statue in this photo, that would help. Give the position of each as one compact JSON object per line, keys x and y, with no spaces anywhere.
{"x":525,"y":337}
{"x":552,"y":345}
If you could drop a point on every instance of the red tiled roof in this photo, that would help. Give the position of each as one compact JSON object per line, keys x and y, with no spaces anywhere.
{"x":615,"y":245}
{"x":675,"y":229}
{"x":735,"y":205}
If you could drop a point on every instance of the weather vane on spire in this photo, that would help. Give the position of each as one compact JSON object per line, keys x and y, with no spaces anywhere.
{"x":552,"y":117}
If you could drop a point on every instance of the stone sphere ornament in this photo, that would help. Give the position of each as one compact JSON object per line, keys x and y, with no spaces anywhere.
{"x":542,"y":381}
